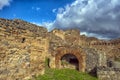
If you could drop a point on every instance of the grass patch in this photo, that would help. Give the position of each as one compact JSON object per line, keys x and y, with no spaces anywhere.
{"x":64,"y":74}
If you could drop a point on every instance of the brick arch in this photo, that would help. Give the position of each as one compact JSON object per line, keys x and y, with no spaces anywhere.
{"x":78,"y":53}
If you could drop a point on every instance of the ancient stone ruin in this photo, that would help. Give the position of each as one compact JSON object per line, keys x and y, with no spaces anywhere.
{"x":24,"y":47}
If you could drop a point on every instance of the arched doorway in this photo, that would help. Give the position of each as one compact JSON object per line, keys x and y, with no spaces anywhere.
{"x":75,"y":56}
{"x":69,"y":61}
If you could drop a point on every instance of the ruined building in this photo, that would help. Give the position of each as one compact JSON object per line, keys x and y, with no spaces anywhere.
{"x":24,"y":47}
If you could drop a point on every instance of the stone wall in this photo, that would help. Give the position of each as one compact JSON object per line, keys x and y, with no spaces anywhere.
{"x":24,"y":47}
{"x":92,"y":60}
{"x":106,"y":73}
{"x":22,"y":52}
{"x":72,"y":41}
{"x":110,"y":47}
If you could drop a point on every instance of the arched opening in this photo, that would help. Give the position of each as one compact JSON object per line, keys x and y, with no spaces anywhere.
{"x":76,"y":57}
{"x":69,"y":61}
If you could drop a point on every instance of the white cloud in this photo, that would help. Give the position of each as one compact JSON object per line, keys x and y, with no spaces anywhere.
{"x":4,"y":3}
{"x":39,"y":24}
{"x":37,"y":8}
{"x":100,"y":18}
{"x":33,"y":8}
{"x":54,"y":10}
{"x":14,"y":15}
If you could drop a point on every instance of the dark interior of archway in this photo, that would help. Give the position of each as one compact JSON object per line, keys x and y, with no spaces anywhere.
{"x":71,"y":59}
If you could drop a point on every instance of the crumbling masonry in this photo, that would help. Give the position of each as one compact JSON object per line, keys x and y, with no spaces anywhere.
{"x":25,"y":46}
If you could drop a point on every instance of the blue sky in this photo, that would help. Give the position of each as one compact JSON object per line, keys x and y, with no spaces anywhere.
{"x":33,"y":10}
{"x":94,"y":18}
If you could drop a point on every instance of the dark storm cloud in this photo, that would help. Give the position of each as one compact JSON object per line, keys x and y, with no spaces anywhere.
{"x":100,"y":18}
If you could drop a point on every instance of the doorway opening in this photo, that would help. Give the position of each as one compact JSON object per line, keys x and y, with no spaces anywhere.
{"x":69,"y":61}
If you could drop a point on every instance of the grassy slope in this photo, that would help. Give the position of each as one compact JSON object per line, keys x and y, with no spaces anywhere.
{"x":64,"y":74}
